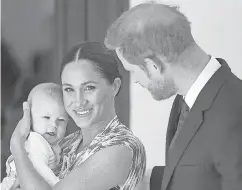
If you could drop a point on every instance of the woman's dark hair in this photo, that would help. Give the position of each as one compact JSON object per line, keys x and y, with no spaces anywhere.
{"x":103,"y":59}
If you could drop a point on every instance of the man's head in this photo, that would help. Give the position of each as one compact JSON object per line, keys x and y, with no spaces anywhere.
{"x":49,"y":117}
{"x":150,"y":40}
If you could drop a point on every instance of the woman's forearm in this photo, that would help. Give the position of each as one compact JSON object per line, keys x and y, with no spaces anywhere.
{"x":29,"y":178}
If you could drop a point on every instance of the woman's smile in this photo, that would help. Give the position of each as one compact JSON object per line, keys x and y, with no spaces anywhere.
{"x":83,"y":112}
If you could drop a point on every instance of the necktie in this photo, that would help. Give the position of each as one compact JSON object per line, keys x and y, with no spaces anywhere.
{"x":183,"y":115}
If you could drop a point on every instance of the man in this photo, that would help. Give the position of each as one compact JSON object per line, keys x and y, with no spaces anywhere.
{"x":204,"y":135}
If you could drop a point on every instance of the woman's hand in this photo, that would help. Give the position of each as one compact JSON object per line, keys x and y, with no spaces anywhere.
{"x":22,"y":129}
{"x":16,"y":185}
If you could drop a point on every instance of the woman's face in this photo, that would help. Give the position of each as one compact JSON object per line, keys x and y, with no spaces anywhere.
{"x":88,"y":96}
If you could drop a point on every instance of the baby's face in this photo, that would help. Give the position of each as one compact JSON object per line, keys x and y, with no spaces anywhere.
{"x":49,"y":118}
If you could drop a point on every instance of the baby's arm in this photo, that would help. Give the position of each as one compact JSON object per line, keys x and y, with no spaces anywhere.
{"x":38,"y":152}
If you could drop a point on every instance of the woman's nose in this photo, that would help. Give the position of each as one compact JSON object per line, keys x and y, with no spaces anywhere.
{"x":80,"y":99}
{"x":80,"y":103}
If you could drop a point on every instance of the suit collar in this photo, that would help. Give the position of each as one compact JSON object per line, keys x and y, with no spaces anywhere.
{"x":212,"y":87}
{"x":208,"y":71}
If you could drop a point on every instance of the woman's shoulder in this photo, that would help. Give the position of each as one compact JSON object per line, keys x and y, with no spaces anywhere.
{"x":122,"y":134}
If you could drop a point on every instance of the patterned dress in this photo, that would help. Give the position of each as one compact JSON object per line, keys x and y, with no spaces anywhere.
{"x":114,"y":134}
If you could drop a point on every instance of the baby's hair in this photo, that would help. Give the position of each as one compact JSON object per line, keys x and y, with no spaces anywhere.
{"x":51,"y":90}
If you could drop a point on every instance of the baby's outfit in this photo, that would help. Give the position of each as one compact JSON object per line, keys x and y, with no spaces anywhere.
{"x":44,"y":158}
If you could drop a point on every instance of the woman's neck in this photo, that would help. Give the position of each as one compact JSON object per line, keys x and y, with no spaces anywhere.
{"x":91,"y":132}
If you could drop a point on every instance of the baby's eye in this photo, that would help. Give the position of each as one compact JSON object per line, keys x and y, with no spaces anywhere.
{"x":46,"y":117}
{"x":68,"y":89}
{"x":61,"y":119}
{"x":90,"y":88}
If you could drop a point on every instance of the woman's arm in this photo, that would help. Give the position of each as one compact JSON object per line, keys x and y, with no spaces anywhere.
{"x":28,"y":177}
{"x":104,"y":170}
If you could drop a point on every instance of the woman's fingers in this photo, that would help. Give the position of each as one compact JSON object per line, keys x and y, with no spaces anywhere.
{"x":22,"y":129}
{"x":24,"y":124}
{"x":26,"y":111}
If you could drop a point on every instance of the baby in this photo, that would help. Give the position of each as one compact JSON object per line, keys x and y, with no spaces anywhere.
{"x":49,"y":121}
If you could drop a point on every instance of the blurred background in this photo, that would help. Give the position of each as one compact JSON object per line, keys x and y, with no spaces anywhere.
{"x":36,"y":34}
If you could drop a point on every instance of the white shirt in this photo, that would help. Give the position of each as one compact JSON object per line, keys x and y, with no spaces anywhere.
{"x":192,"y":94}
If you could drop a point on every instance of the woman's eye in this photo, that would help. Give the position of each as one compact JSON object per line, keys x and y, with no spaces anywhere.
{"x":90,"y":88}
{"x":68,"y":89}
{"x":46,"y":117}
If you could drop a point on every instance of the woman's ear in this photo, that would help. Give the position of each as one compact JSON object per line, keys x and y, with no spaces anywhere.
{"x":116,"y":86}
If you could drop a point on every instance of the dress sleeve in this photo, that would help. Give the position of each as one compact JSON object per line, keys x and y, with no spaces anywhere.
{"x":138,"y":166}
{"x":122,"y":136}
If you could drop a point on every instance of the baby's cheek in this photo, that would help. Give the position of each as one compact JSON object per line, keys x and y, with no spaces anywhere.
{"x":62,"y":129}
{"x":39,"y":127}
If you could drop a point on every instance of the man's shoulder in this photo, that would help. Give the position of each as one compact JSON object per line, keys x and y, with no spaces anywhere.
{"x":231,"y":92}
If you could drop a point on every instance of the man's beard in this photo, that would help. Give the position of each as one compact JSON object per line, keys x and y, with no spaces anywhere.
{"x":162,"y":91}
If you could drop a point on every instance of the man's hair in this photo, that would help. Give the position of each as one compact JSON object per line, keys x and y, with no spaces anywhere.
{"x":151,"y":27}
{"x":51,"y":90}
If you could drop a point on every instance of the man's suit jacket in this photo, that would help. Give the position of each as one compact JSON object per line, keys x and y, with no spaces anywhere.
{"x":207,"y":154}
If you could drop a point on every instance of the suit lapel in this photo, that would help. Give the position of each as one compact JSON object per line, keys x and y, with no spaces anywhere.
{"x":172,"y":124}
{"x":194,"y":121}
{"x":191,"y":125}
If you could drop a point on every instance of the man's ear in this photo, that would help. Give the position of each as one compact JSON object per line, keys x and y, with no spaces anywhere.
{"x":152,"y":67}
{"x":157,"y":62}
{"x":116,"y":86}
{"x":151,"y":63}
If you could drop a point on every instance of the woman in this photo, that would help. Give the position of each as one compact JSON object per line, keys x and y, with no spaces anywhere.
{"x":104,"y":154}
